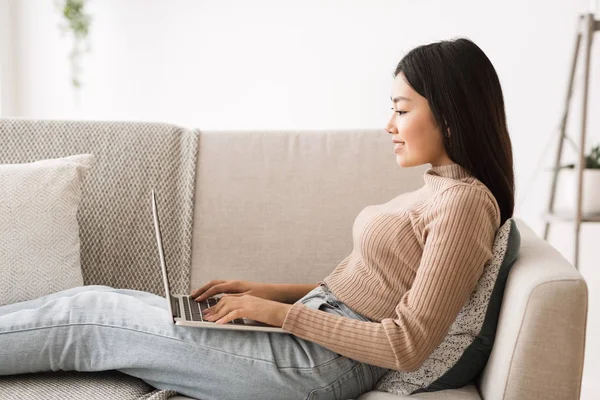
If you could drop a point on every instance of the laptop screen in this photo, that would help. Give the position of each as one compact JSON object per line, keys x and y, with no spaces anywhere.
{"x":160,"y":250}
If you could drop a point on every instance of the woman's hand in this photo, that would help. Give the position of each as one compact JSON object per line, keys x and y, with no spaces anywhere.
{"x":239,"y":288}
{"x":231,"y":307}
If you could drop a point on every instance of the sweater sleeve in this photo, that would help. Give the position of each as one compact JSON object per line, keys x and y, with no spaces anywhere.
{"x":458,"y":235}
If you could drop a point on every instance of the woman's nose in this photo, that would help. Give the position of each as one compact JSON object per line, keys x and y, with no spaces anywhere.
{"x":390,"y":128}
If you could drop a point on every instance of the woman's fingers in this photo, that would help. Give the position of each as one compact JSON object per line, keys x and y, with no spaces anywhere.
{"x":246,"y":306}
{"x":211,"y":310}
{"x":209,"y":293}
{"x":225,"y":310}
{"x":204,"y":288}
{"x":216,"y":289}
{"x":229,"y":287}
{"x":218,"y":310}
{"x":230,"y":316}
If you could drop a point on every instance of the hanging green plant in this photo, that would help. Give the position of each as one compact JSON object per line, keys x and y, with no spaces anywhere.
{"x":77,"y":23}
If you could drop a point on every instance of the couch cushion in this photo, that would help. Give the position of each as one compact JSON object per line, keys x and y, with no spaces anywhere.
{"x":75,"y":385}
{"x":468,"y":392}
{"x":39,"y":231}
{"x":463,"y":353}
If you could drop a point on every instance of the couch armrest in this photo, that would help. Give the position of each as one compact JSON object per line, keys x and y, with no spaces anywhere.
{"x":540,"y":341}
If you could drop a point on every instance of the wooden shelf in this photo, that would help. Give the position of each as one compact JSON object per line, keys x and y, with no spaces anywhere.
{"x":563,"y":215}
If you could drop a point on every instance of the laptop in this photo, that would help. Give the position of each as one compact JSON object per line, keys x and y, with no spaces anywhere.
{"x":187,"y":312}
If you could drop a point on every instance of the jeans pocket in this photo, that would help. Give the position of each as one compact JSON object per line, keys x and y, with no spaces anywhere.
{"x":342,"y":308}
{"x":350,"y":313}
{"x":319,"y":303}
{"x":318,"y":300}
{"x":348,"y":386}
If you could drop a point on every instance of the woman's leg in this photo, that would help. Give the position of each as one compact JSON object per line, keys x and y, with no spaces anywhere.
{"x":35,"y":303}
{"x":95,"y":328}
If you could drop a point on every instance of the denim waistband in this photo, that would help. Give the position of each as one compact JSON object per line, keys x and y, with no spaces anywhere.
{"x":332,"y":300}
{"x":322,"y":294}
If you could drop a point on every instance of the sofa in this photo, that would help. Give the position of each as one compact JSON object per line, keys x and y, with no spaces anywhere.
{"x":278,"y":206}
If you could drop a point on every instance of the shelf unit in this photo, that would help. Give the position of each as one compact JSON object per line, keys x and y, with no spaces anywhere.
{"x":587,"y":25}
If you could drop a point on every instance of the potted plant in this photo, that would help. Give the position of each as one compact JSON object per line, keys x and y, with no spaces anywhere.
{"x":590,"y":202}
{"x":77,"y":23}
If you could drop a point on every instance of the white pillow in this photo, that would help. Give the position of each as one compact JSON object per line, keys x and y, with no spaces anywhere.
{"x":39,"y":232}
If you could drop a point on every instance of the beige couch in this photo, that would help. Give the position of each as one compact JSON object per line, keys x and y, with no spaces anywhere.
{"x":278,"y":206}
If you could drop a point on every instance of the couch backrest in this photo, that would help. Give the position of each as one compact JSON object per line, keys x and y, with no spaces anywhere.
{"x":278,"y":206}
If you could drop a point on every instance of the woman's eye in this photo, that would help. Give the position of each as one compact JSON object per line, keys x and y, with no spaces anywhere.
{"x":399,"y":112}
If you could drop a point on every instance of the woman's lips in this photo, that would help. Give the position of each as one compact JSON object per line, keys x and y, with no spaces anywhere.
{"x":398,"y":146}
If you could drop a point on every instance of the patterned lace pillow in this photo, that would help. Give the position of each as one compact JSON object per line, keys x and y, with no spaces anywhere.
{"x":464,"y":352}
{"x":39,"y":232}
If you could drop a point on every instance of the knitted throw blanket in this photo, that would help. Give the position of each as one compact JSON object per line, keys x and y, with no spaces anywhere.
{"x":118,"y":244}
{"x":101,"y":385}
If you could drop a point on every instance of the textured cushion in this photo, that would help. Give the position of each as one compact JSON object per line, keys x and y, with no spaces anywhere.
{"x":463,"y":353}
{"x":39,"y":232}
{"x":468,"y":392}
{"x":74,"y":385}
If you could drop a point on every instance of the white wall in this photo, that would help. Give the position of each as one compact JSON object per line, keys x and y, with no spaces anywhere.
{"x":311,"y":64}
{"x":8,"y":66}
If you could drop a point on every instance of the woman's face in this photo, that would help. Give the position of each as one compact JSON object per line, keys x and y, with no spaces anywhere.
{"x":413,"y":123}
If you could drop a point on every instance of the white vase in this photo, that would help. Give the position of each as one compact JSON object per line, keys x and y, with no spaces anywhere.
{"x":590,"y":202}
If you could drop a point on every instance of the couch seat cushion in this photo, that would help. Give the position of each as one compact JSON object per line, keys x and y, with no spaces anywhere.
{"x":468,"y":392}
{"x":75,"y":385}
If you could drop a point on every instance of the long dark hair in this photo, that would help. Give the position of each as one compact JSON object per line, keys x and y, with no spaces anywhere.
{"x":464,"y":94}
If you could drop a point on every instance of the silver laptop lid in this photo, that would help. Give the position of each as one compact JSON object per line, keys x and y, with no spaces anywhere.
{"x":160,"y":251}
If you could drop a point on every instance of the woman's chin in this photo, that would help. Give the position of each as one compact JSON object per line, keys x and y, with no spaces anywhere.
{"x":404,"y":163}
{"x":401,"y":161}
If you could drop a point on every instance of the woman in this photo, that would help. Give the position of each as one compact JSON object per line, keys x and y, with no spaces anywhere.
{"x":386,"y":306}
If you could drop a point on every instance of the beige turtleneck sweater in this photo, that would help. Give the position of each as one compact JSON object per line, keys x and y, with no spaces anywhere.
{"x":415,"y":261}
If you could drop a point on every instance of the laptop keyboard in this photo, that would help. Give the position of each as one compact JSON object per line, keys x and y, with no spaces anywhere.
{"x":193,"y":310}
{"x":175,"y":307}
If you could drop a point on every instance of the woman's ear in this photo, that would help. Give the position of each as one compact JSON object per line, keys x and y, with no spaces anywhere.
{"x":447,"y":133}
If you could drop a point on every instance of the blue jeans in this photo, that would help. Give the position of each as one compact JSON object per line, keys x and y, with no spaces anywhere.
{"x":96,"y":328}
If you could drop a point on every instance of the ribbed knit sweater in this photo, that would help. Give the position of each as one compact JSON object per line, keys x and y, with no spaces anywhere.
{"x":415,"y":261}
